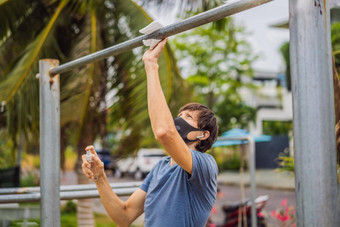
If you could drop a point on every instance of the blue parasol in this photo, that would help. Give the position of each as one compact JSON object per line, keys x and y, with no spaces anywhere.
{"x":238,"y":133}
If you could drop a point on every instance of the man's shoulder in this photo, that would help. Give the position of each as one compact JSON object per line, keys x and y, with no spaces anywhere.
{"x":205,"y":155}
{"x":208,"y":158}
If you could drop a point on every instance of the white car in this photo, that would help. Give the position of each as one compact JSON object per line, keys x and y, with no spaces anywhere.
{"x":139,"y":165}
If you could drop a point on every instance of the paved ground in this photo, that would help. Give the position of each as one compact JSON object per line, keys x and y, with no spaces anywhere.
{"x":264,"y":179}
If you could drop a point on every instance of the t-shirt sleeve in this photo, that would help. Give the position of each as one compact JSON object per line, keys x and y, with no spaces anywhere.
{"x":204,"y":170}
{"x":145,"y":184}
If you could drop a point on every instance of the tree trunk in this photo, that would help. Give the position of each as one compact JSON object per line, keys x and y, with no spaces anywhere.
{"x":336,"y":83}
{"x":85,"y":206}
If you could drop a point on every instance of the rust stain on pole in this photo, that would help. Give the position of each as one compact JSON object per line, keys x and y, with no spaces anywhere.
{"x":317,"y":3}
{"x":53,"y":63}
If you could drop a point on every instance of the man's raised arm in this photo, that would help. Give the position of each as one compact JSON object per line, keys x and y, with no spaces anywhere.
{"x":161,"y":119}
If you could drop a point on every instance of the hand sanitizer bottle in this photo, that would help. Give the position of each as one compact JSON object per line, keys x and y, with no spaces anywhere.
{"x":89,"y":159}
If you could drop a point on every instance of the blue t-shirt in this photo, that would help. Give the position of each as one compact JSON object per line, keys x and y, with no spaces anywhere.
{"x":176,"y":198}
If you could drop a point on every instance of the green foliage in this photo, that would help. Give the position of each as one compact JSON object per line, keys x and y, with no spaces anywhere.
{"x":286,"y":164}
{"x":335,"y":39}
{"x":335,"y":32}
{"x":284,"y":49}
{"x":66,"y":30}
{"x":69,"y":208}
{"x":233,"y":112}
{"x":277,"y":127}
{"x":233,"y":163}
{"x":6,"y":151}
{"x":216,"y":62}
{"x":29,"y":178}
{"x":227,"y":158}
{"x":70,"y":220}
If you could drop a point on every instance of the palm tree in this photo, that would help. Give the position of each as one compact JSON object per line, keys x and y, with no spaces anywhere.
{"x":65,"y":29}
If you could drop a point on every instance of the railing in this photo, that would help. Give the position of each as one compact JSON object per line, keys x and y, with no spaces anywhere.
{"x":67,"y":192}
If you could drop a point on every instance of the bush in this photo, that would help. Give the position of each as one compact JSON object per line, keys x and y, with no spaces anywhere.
{"x":29,"y":178}
{"x":233,"y":162}
{"x":286,"y":164}
{"x":69,"y":208}
{"x":228,"y":158}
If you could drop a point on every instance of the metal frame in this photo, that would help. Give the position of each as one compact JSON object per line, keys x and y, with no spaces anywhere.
{"x":316,"y":186}
{"x":64,"y":195}
{"x":313,"y":108}
{"x":49,"y":143}
{"x":78,"y":187}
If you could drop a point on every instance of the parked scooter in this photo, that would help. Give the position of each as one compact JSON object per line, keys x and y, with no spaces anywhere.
{"x":241,"y":212}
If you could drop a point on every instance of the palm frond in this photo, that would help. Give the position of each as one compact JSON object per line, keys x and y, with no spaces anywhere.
{"x":2,"y":2}
{"x":78,"y":99}
{"x":16,"y":77}
{"x":129,"y":80}
{"x":184,"y":8}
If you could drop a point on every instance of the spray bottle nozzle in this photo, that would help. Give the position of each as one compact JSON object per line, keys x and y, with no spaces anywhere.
{"x":89,"y":156}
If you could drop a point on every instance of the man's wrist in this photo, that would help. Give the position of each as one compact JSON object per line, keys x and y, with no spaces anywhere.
{"x":101,"y":178}
{"x":151,"y":65}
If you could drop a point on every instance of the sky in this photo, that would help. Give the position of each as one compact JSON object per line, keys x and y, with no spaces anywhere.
{"x":265,"y":40}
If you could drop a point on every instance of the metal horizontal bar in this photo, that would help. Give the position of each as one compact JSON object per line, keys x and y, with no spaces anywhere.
{"x":22,"y":190}
{"x":67,"y":195}
{"x":228,"y":9}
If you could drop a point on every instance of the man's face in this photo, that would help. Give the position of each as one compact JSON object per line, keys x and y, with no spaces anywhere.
{"x":192,"y":118}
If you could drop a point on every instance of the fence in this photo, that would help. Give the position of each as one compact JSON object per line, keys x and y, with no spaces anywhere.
{"x":67,"y":192}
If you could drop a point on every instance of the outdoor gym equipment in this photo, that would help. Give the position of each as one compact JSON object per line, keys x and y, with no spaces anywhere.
{"x":317,"y":191}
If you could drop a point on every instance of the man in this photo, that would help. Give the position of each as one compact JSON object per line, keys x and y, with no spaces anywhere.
{"x":181,"y":189}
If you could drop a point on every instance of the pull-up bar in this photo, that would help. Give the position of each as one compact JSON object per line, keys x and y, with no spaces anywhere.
{"x":228,"y":9}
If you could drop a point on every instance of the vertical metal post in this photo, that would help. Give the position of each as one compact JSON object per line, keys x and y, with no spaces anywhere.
{"x":49,"y":144}
{"x":313,"y":113}
{"x":252,"y":180}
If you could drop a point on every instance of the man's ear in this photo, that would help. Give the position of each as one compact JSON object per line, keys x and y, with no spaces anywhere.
{"x":204,"y":136}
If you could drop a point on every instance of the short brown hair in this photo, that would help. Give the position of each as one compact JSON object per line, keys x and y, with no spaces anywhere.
{"x":206,"y":121}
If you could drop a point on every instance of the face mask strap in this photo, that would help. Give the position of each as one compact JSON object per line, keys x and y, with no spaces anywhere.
{"x":184,"y":128}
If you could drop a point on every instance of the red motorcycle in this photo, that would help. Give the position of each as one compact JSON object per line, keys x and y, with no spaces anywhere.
{"x":240,"y":212}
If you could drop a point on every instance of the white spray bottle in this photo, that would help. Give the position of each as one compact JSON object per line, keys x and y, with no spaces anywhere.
{"x":89,"y":159}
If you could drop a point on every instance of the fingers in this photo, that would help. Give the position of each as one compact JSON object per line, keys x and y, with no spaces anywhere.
{"x":157,"y":50}
{"x":86,"y":167}
{"x":85,"y":162}
{"x":97,"y":161}
{"x":91,"y":148}
{"x":160,"y":45}
{"x":152,"y":55}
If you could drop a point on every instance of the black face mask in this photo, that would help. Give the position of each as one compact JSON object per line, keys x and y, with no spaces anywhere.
{"x":184,"y":128}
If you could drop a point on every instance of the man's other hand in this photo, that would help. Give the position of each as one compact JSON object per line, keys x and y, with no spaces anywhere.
{"x":151,"y":56}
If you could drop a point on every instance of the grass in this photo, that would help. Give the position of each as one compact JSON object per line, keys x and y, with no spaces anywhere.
{"x":68,"y":217}
{"x":103,"y":220}
{"x":70,"y":220}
